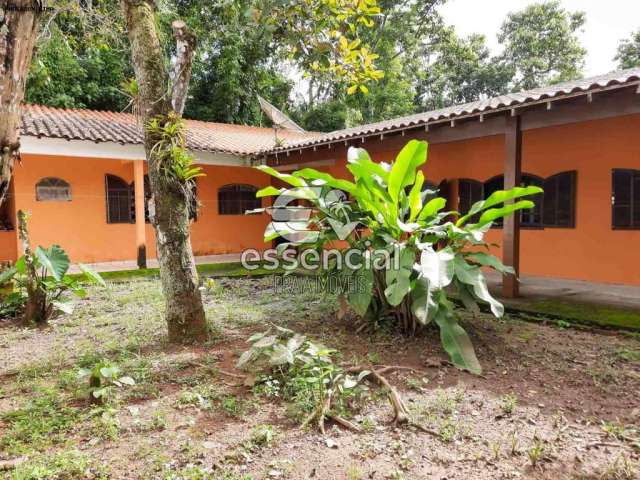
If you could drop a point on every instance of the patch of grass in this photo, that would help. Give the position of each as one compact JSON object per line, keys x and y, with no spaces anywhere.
{"x":43,"y":422}
{"x":65,"y":465}
{"x":234,"y":406}
{"x":587,"y":313}
{"x":628,"y":354}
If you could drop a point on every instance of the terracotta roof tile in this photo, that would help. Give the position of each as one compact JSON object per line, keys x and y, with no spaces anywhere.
{"x":520,"y":99}
{"x":98,"y":126}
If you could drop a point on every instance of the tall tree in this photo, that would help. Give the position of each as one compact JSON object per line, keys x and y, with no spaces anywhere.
{"x":541,"y":45}
{"x":628,"y":55}
{"x":18,"y":31}
{"x":82,"y":58}
{"x":160,"y":103}
{"x":459,"y":70}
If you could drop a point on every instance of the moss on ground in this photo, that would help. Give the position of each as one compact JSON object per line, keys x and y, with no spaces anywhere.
{"x":585,"y":313}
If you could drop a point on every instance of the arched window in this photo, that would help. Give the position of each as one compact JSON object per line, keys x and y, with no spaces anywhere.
{"x":625,"y":199}
{"x":119,"y":198}
{"x":52,"y":189}
{"x":469,"y":192}
{"x":237,"y":199}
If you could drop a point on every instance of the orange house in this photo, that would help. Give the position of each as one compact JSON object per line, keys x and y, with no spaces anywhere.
{"x":82,"y":172}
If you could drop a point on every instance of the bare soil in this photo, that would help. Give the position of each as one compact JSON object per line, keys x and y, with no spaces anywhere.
{"x":551,"y":403}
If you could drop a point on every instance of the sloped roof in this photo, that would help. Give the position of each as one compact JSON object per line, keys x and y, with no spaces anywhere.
{"x":512,"y":100}
{"x":97,"y":126}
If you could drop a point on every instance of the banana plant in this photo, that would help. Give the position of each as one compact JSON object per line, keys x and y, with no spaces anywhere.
{"x":51,"y":282}
{"x":432,"y":251}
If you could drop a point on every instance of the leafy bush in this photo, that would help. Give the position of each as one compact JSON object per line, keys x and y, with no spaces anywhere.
{"x":303,"y":371}
{"x":431,"y":250}
{"x":51,"y":282}
{"x":104,"y":378}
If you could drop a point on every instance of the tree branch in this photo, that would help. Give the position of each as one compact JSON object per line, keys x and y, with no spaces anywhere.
{"x":185,"y":50}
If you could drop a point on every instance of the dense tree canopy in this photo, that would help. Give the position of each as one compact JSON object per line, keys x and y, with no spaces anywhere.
{"x":245,"y":49}
{"x":629,"y":52}
{"x":541,"y":45}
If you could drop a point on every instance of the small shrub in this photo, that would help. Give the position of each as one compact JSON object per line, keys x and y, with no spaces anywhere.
{"x":263,"y":436}
{"x":104,"y":378}
{"x":508,"y":403}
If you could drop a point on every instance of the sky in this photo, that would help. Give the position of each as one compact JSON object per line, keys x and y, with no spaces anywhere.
{"x":608,"y":21}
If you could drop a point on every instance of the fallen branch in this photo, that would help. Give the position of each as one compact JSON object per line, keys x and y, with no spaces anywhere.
{"x":345,"y":423}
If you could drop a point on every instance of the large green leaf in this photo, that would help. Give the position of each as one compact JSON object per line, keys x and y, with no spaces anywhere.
{"x":7,"y":275}
{"x":327,"y":179}
{"x":403,"y":170}
{"x":492,"y":214}
{"x":269,"y":191}
{"x":437,"y":267}
{"x":423,"y":306}
{"x":91,"y":275}
{"x":492,"y":261}
{"x":359,"y":159}
{"x":54,"y":259}
{"x":361,"y":292}
{"x":456,"y":342}
{"x":285,"y":177}
{"x":472,"y":275}
{"x":496,"y":198}
{"x":398,"y":276}
{"x":415,"y":197}
{"x":432,"y":207}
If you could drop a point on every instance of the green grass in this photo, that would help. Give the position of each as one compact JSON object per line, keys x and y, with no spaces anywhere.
{"x":587,"y":313}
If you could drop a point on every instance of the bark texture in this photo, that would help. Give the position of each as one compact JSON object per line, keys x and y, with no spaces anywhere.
{"x":169,"y":203}
{"x":18,"y":33}
{"x":36,"y":308}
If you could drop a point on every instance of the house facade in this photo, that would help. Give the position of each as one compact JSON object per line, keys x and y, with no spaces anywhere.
{"x":580,"y":141}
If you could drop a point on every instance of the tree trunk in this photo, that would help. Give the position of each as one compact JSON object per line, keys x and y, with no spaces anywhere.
{"x":18,"y":33}
{"x":36,"y":308}
{"x":169,"y":204}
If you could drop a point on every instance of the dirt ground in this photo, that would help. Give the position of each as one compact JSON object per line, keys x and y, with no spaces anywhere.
{"x":553,"y":402}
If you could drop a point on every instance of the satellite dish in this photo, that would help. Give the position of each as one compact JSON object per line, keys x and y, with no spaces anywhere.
{"x":279,"y":119}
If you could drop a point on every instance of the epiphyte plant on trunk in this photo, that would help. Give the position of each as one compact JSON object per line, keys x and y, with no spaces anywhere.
{"x":432,"y":251}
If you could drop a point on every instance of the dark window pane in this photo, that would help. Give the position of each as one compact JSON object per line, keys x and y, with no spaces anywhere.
{"x":237,"y":199}
{"x":559,"y":200}
{"x":119,"y":200}
{"x":469,"y":192}
{"x":626,"y":198}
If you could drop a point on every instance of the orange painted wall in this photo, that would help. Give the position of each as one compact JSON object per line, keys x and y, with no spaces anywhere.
{"x":592,"y":250}
{"x":80,"y":225}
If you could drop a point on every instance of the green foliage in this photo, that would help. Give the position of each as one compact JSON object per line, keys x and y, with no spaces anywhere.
{"x":64,"y":465}
{"x":628,"y":55}
{"x":427,"y":250}
{"x":44,"y":421}
{"x":305,"y":371}
{"x":541,"y":45}
{"x":81,"y":59}
{"x":175,"y":161}
{"x":51,"y":266}
{"x":104,"y":378}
